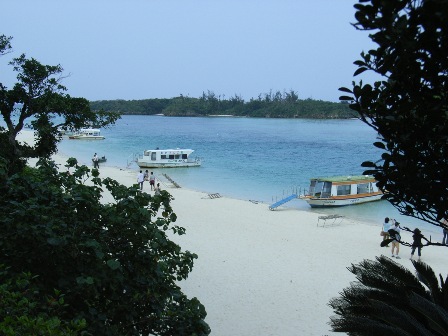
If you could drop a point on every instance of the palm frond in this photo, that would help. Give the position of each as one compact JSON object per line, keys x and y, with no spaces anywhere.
{"x":435,"y":317}
{"x":426,"y":275}
{"x":388,"y":299}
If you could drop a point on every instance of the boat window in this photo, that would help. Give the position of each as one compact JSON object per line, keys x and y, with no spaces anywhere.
{"x":184,"y":156}
{"x":163,"y":157}
{"x":171,"y":157}
{"x":326,"y":190}
{"x":153,"y":156}
{"x":344,"y":189}
{"x":363,"y":188}
{"x":312,"y":187}
{"x":177,"y":156}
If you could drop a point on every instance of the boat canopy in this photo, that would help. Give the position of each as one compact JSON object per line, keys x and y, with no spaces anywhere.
{"x":90,"y":131}
{"x":167,"y":154}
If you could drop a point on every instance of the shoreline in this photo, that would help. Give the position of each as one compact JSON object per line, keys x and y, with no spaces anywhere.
{"x":262,"y":272}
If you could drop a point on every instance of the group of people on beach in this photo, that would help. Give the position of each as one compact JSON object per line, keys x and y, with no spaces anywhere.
{"x":145,"y":176}
{"x":391,"y":230}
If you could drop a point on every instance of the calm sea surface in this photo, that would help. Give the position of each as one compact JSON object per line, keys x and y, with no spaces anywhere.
{"x":252,"y":159}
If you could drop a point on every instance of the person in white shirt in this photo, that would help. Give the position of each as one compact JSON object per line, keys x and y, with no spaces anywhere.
{"x":387,"y":225}
{"x":140,"y":179}
{"x":95,"y":161}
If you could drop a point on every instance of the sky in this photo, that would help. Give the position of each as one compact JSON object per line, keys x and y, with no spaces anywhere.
{"x":141,"y":49}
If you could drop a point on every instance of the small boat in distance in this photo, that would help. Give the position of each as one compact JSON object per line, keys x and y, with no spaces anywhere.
{"x":87,"y":134}
{"x":167,"y":158}
{"x":342,"y":190}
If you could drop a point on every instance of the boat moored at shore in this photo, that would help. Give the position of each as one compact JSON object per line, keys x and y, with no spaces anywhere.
{"x":342,"y":190}
{"x":167,"y":158}
{"x":87,"y":134}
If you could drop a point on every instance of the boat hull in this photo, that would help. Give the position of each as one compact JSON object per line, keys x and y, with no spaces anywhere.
{"x":167,"y":164}
{"x":87,"y":134}
{"x":338,"y":202}
{"x":80,"y":137}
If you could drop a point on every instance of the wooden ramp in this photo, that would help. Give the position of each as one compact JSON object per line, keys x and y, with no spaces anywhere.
{"x":171,"y":180}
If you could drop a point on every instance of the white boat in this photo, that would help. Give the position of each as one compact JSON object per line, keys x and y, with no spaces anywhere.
{"x":342,"y":190}
{"x":87,"y":134}
{"x":167,"y":158}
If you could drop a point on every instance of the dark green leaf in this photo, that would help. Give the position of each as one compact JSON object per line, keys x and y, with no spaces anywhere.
{"x":113,"y":264}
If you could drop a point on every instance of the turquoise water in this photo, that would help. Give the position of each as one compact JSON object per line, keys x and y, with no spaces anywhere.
{"x":247,"y":158}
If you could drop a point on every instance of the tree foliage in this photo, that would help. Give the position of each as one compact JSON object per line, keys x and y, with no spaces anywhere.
{"x":37,"y":100}
{"x":24,"y":311}
{"x":409,"y":108}
{"x":268,"y":105}
{"x":388,"y":299}
{"x":409,"y":111}
{"x":5,"y":44}
{"x":112,"y":264}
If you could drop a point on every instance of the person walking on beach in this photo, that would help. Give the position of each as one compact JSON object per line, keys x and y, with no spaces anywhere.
{"x":157,"y":189}
{"x":395,"y":235}
{"x":152,"y":181}
{"x":445,"y":231}
{"x":140,"y":179}
{"x":417,"y":243}
{"x":95,"y":161}
{"x":387,"y":225}
{"x":146,"y":175}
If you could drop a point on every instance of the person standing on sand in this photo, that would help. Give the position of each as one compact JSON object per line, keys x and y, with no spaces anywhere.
{"x":417,"y":243}
{"x":395,"y":235}
{"x":387,"y":225}
{"x":445,"y":231}
{"x":152,"y":181}
{"x":146,"y":175}
{"x":95,"y":161}
{"x":140,"y":179}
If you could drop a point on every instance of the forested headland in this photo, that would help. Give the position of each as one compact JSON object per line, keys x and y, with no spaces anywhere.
{"x":268,"y":105}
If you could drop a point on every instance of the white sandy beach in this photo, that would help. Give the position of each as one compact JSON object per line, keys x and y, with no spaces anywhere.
{"x":263,"y":272}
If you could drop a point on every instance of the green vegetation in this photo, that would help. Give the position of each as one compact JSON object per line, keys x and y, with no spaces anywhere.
{"x":25,"y":311}
{"x":37,"y":100}
{"x":71,"y":264}
{"x":390,"y":300}
{"x":270,"y":105}
{"x":409,"y":110}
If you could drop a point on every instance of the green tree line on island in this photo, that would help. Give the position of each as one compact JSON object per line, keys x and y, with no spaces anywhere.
{"x":268,"y":105}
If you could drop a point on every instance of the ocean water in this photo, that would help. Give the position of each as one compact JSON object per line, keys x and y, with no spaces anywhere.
{"x":248,"y":158}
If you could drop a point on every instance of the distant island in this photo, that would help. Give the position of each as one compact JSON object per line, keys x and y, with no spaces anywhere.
{"x":269,"y":105}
